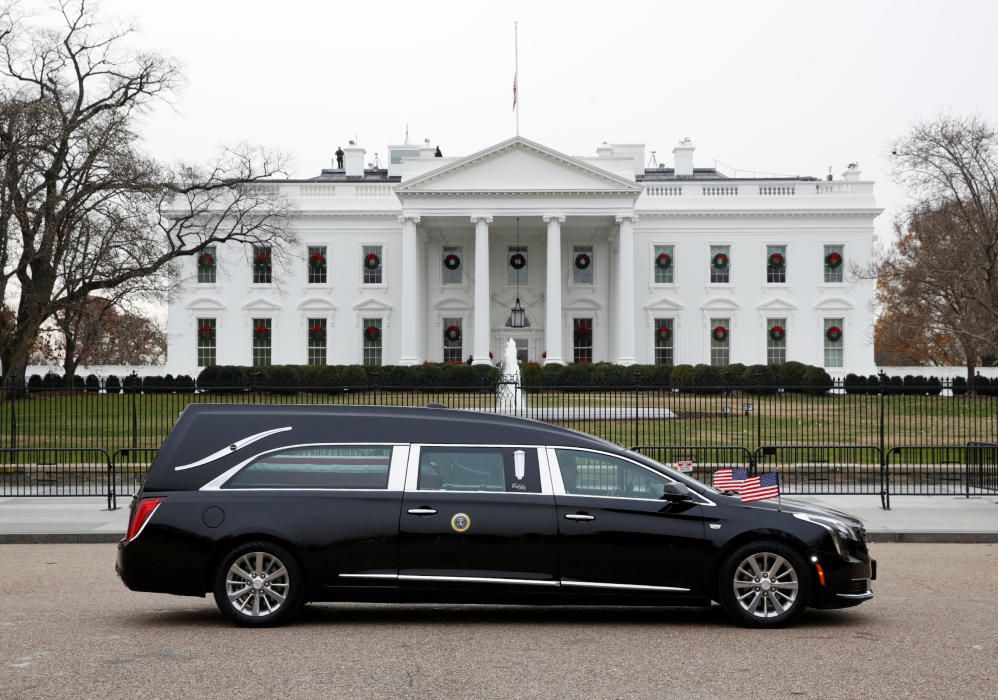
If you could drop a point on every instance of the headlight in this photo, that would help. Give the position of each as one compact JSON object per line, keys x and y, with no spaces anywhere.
{"x":839,"y":530}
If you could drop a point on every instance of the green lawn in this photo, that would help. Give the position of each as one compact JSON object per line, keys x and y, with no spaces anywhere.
{"x":111,"y":422}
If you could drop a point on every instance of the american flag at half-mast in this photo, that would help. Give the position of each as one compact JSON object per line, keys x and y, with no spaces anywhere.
{"x":729,"y":479}
{"x":761,"y":487}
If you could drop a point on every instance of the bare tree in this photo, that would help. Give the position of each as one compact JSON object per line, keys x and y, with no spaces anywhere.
{"x":82,"y":210}
{"x":102,"y":332}
{"x":942,"y":274}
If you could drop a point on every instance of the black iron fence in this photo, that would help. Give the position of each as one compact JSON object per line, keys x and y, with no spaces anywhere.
{"x":823,"y":441}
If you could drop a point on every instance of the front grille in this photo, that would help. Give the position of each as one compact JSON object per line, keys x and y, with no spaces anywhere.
{"x":857,"y":586}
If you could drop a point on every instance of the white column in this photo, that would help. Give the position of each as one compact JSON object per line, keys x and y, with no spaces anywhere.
{"x":624,"y":307}
{"x":410,"y":292}
{"x":483,"y":324}
{"x":552,"y":304}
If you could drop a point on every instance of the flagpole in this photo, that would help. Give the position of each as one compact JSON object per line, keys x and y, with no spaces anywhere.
{"x":516,"y":72}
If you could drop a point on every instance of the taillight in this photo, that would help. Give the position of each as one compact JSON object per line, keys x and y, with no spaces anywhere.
{"x":140,"y":516}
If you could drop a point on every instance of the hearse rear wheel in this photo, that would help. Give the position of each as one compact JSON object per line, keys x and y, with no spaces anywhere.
{"x":258,"y":584}
{"x":764,"y":584}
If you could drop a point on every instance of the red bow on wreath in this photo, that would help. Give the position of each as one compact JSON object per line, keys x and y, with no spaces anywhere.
{"x":262,"y":258}
{"x":583,"y":329}
{"x":261,"y":331}
{"x":317,"y":259}
{"x":206,"y":330}
{"x":206,"y":260}
{"x":316,"y":331}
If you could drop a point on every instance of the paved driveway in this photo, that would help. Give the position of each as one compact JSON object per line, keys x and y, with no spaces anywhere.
{"x":68,"y":628}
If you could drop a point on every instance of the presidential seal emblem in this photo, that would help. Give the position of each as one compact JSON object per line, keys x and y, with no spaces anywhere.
{"x":460,"y":522}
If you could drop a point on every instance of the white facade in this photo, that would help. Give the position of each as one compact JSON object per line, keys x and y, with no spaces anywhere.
{"x":609,"y":207}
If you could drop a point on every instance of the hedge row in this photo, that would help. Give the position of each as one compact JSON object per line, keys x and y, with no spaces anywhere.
{"x":790,"y":376}
{"x":917,"y":384}
{"x":756,"y":378}
{"x":152,"y":384}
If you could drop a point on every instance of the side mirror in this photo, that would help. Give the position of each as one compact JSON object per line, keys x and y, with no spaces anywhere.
{"x":674,"y":492}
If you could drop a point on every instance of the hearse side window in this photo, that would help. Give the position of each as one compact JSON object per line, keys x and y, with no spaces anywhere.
{"x":597,"y":474}
{"x":478,"y":469}
{"x":340,"y":467}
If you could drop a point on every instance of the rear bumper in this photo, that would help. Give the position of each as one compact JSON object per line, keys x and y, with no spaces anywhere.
{"x":141,"y":569}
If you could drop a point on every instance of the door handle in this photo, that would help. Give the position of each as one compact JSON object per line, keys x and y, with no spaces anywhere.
{"x":579,"y":516}
{"x":422,"y":511}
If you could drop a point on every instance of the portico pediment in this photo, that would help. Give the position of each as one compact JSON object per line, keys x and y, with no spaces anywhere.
{"x":518,"y":166}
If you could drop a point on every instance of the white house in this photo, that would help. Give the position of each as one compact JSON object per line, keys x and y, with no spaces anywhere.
{"x":611,"y":261}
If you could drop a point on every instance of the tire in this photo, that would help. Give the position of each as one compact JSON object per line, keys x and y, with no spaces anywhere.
{"x":764,"y":584}
{"x":259,"y":584}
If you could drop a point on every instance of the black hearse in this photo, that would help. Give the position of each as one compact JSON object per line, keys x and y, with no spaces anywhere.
{"x":267,"y":507}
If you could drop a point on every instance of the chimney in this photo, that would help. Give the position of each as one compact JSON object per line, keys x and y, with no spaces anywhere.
{"x":426,"y":150}
{"x":353,"y":160}
{"x":604,"y":150}
{"x":852,"y":172}
{"x":683,"y":155}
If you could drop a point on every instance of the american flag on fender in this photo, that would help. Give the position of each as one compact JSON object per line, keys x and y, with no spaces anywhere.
{"x":761,"y":487}
{"x":729,"y":479}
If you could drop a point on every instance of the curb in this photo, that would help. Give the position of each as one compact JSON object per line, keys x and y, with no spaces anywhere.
{"x":941,"y":537}
{"x":62,"y":538}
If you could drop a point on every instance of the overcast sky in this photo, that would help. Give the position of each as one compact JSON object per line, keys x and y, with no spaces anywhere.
{"x":775,"y":87}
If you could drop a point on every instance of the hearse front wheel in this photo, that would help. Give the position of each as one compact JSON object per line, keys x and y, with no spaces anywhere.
{"x":258,"y":584}
{"x":764,"y":584}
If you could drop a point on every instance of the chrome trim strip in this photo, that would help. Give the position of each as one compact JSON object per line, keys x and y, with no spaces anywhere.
{"x":234,"y":447}
{"x":478,"y":579}
{"x":393,"y":577}
{"x":856,"y":596}
{"x":622,"y":586}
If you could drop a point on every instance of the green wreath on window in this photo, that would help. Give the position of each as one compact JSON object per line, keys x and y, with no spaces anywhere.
{"x":372,"y":261}
{"x":663,"y":333}
{"x":663,"y":261}
{"x":452,"y":333}
{"x":720,"y":333}
{"x":777,"y":261}
{"x":719,"y":261}
{"x":777,"y":332}
{"x":372,"y":334}
{"x":834,"y":334}
{"x":206,"y":261}
{"x":833,"y":261}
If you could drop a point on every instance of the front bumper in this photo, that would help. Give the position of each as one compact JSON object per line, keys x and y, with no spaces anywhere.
{"x":846,"y":578}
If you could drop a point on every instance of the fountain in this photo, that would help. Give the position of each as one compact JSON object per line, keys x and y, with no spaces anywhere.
{"x":509,"y":395}
{"x":511,"y":400}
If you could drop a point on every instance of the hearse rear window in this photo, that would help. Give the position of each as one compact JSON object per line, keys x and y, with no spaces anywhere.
{"x":340,"y":467}
{"x":479,"y":469}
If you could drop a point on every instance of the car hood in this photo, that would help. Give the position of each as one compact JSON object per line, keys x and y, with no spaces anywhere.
{"x":789,"y":505}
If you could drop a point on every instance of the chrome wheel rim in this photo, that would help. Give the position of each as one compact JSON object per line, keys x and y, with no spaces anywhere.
{"x":257,"y":584}
{"x":765,"y":585}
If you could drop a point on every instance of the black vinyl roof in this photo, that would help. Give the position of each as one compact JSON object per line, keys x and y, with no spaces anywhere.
{"x":204,"y":429}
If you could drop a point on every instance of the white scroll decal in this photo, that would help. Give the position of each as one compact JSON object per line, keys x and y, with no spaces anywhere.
{"x":234,"y":447}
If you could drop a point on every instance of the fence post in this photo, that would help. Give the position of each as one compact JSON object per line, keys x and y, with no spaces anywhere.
{"x":885,"y":482}
{"x":135,"y":422}
{"x":13,"y":423}
{"x":112,"y":498}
